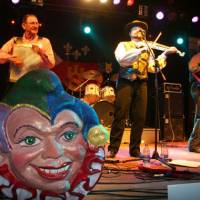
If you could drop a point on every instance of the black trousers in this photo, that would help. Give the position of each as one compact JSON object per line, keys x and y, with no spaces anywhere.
{"x":195,"y":93}
{"x":194,"y":140}
{"x":131,"y":100}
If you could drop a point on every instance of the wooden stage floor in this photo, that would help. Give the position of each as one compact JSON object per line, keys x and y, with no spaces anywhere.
{"x":123,"y":178}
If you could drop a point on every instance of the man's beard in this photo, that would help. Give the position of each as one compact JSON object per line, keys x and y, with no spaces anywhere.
{"x":137,"y":38}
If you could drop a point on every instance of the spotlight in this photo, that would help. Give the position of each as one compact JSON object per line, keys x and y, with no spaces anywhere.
{"x":103,"y":1}
{"x":12,"y":22}
{"x":87,"y":29}
{"x":179,"y":40}
{"x":195,"y":19}
{"x":116,"y":2}
{"x":160,"y":15}
{"x":15,"y":1}
{"x":130,"y":2}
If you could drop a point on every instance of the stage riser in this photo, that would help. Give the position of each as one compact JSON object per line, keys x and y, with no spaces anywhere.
{"x":148,"y":136}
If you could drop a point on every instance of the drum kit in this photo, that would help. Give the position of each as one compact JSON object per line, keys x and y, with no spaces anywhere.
{"x":101,"y":99}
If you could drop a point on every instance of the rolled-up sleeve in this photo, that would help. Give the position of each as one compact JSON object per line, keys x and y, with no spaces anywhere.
{"x":6,"y":51}
{"x":8,"y":46}
{"x":126,"y":57}
{"x":49,"y":59}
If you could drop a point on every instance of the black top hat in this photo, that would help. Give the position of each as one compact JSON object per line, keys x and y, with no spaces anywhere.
{"x":139,"y":23}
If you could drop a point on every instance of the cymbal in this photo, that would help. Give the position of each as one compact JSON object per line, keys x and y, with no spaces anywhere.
{"x":91,"y":74}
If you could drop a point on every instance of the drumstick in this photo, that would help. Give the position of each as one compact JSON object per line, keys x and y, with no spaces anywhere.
{"x":82,"y":84}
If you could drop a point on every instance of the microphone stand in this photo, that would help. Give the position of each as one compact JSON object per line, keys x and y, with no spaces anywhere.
{"x":155,"y":154}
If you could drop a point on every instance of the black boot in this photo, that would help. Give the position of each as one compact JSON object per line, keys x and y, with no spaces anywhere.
{"x":194,"y":140}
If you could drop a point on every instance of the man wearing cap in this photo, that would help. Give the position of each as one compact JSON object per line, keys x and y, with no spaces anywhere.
{"x":135,"y":60}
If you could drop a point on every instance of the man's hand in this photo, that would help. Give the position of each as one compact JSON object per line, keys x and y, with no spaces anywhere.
{"x":4,"y":57}
{"x":171,"y":50}
{"x":16,"y":60}
{"x":37,"y":49}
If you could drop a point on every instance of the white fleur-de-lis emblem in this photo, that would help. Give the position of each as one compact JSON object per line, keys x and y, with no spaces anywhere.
{"x":76,"y":54}
{"x":85,"y":50}
{"x":67,"y":48}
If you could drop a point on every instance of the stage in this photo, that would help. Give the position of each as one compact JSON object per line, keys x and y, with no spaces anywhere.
{"x":123,"y":177}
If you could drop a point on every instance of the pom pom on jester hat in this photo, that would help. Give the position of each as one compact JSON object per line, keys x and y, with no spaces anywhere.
{"x":49,"y":137}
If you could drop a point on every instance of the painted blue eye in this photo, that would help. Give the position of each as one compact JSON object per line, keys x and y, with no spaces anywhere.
{"x":69,"y":135}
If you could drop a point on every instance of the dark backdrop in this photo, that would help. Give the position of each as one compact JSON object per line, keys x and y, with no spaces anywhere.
{"x":61,"y":23}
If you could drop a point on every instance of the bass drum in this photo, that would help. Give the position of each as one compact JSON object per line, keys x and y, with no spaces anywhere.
{"x":105,"y":112}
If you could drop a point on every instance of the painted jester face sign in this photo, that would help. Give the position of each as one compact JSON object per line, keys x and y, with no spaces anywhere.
{"x":51,"y":143}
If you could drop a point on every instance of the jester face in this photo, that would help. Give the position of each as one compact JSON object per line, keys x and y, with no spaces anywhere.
{"x":51,"y":143}
{"x":43,"y":154}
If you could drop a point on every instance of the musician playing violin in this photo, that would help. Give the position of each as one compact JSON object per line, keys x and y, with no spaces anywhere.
{"x":135,"y":62}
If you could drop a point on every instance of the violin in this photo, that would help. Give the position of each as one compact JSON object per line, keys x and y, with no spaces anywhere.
{"x":162,"y":47}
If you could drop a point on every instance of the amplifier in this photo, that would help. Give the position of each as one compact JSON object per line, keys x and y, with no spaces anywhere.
{"x":173,"y":128}
{"x":172,"y":87}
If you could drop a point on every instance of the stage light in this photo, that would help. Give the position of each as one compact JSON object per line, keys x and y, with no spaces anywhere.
{"x":195,"y":19}
{"x":15,"y":1}
{"x":160,"y":15}
{"x":103,"y":1}
{"x":116,"y":2}
{"x":87,"y":29}
{"x":180,"y":40}
{"x":37,"y":2}
{"x":130,"y":2}
{"x":12,"y":22}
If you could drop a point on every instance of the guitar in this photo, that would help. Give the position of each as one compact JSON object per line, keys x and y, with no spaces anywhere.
{"x":194,"y":66}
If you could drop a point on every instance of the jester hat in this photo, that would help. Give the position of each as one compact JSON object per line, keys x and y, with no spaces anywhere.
{"x":41,"y":89}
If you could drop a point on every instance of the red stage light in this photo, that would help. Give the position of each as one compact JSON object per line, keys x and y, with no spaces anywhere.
{"x":130,"y":2}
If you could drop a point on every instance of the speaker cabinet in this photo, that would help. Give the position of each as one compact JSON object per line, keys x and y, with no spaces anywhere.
{"x":173,"y":104}
{"x":173,"y":129}
{"x":172,"y":116}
